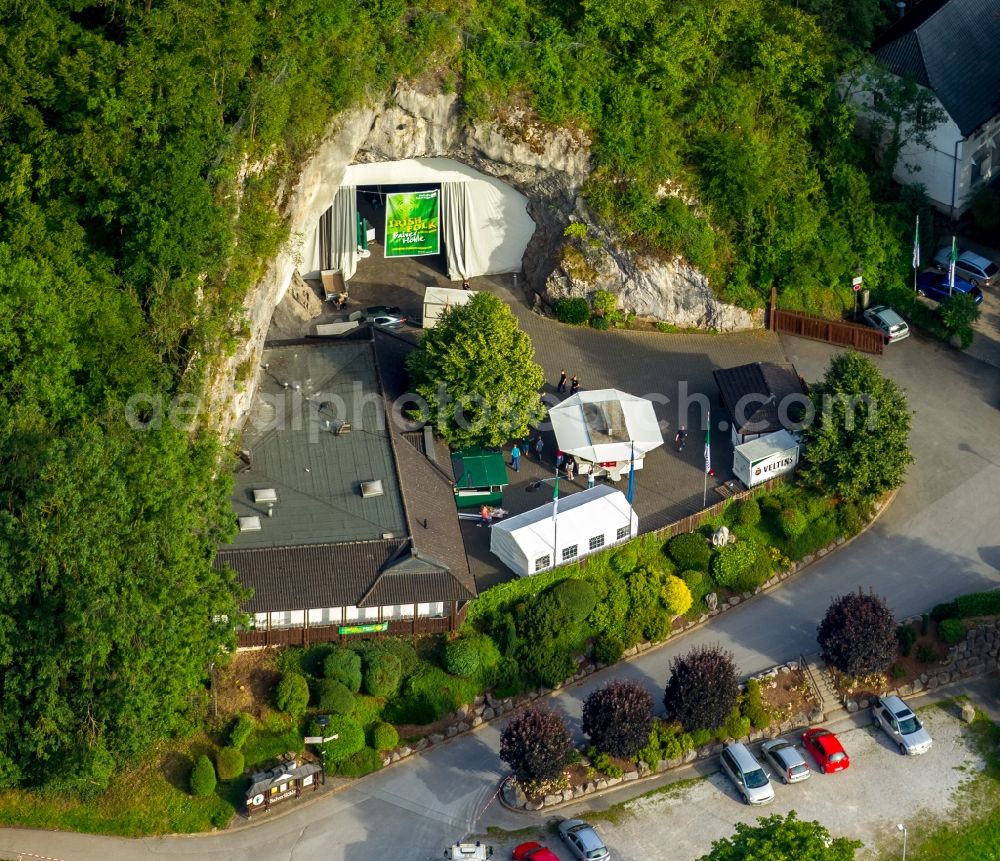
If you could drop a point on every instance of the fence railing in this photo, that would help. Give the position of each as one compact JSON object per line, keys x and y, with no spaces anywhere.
{"x":306,"y":635}
{"x":838,"y":332}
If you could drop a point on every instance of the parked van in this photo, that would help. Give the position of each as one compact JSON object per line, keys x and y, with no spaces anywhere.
{"x":747,"y":775}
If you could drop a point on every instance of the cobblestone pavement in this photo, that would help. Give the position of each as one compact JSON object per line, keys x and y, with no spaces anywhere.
{"x":670,"y":369}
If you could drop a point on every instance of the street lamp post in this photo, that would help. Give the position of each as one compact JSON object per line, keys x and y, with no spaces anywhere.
{"x":902,"y":828}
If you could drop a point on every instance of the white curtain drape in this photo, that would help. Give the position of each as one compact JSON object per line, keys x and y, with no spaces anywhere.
{"x":338,"y":233}
{"x":455,"y":227}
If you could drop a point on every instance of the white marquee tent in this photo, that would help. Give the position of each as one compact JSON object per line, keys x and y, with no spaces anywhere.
{"x":585,"y":523}
{"x":606,"y":426}
{"x":437,"y":300}
{"x":485,"y":226}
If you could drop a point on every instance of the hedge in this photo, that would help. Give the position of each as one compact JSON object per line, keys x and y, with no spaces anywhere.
{"x":203,"y":777}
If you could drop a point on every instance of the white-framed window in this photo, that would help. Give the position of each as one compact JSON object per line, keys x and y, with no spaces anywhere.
{"x":543,"y":562}
{"x":350,"y":614}
{"x":324,"y":616}
{"x":259,"y":621}
{"x":297,"y":618}
{"x":623,"y":533}
{"x":406,"y":611}
{"x":435,"y":609}
{"x":569,"y":552}
{"x":596,"y":541}
{"x":393,"y":611}
{"x":368,"y":614}
{"x":281,"y":619}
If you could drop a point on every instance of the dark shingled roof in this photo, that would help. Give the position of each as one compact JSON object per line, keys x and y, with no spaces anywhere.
{"x":769,"y":383}
{"x":953,"y":48}
{"x":311,"y":575}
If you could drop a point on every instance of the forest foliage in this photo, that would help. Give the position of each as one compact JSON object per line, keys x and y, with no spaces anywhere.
{"x":145,"y":148}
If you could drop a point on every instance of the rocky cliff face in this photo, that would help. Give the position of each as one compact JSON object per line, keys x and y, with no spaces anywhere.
{"x":548,"y":166}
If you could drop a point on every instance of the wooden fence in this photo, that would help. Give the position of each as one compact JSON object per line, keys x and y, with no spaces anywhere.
{"x":839,"y":332}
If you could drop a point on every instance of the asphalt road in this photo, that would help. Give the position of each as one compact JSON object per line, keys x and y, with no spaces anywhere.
{"x":939,"y":539}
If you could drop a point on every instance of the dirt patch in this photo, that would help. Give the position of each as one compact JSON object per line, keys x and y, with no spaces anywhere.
{"x":412,"y":731}
{"x":247,"y":683}
{"x":788,"y":694}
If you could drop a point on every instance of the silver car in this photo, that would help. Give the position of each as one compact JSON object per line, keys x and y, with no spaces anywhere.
{"x":785,"y":759}
{"x":974,"y":268}
{"x":746,"y":773}
{"x":894,"y":328}
{"x":901,"y":725}
{"x":583,"y":841}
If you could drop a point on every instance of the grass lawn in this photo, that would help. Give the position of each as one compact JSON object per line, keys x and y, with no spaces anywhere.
{"x":976,"y":837}
{"x":152,"y":799}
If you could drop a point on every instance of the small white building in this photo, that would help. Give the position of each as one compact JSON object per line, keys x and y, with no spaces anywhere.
{"x":438,"y":300}
{"x":584,"y":523}
{"x":765,"y":457}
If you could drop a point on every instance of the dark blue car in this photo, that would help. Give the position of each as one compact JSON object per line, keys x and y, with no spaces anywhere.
{"x":934,"y":285}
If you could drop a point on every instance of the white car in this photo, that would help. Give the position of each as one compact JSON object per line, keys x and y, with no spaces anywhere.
{"x":893,"y":327}
{"x":901,"y":725}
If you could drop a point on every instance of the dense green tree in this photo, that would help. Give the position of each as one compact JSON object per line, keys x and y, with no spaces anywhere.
{"x":477,"y":374}
{"x":857,"y":445}
{"x":779,"y":837}
{"x":292,"y":694}
{"x":203,"y":777}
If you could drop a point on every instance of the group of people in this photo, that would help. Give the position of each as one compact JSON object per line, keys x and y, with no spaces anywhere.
{"x":574,"y":383}
{"x":524,"y":448}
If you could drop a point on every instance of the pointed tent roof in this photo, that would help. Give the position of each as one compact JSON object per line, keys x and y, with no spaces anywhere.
{"x":603,"y":425}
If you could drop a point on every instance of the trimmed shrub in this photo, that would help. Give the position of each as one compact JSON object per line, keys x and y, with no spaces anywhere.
{"x":978,"y":604}
{"x":292,"y":695}
{"x":850,"y":518}
{"x":242,"y":727}
{"x":546,"y":663}
{"x":365,"y":761}
{"x":229,"y":763}
{"x":736,"y":726}
{"x":350,"y":739}
{"x":575,"y":311}
{"x":676,"y":596}
{"x":409,"y":660}
{"x":608,"y":648}
{"x":384,"y":736}
{"x":600,"y":323}
{"x":618,"y":718}
{"x":576,"y":598}
{"x":657,"y":625}
{"x":666,"y":741}
{"x":752,"y":706}
{"x":793,"y":522}
{"x":203,"y":777}
{"x":699,"y":585}
{"x":702,"y":689}
{"x":624,"y":560}
{"x":858,"y":635}
{"x":944,"y":611}
{"x":743,"y":566}
{"x":951,"y":630}
{"x":926,"y":654}
{"x":344,"y":666}
{"x":471,"y":657}
{"x":382,"y":674}
{"x":536,"y":744}
{"x":906,"y":637}
{"x":747,"y":512}
{"x":606,"y":303}
{"x":332,"y":696}
{"x":690,"y":551}
{"x":507,"y":677}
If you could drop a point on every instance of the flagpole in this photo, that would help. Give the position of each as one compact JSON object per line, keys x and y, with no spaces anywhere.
{"x":916,"y":253}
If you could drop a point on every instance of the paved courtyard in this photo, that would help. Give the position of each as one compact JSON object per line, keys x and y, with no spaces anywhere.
{"x":675,"y":371}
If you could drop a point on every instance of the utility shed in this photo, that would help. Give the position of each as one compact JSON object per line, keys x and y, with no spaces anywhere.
{"x":438,"y":300}
{"x":480,"y":477}
{"x":584,"y":523}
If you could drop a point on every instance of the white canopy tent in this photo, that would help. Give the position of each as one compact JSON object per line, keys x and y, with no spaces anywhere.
{"x":485,"y":224}
{"x":437,"y":300}
{"x":606,"y":426}
{"x":585,"y":523}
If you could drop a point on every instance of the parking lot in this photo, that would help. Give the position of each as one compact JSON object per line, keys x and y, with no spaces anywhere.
{"x":880,"y":789}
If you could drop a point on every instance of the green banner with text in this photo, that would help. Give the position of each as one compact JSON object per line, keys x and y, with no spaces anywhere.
{"x":411,"y":223}
{"x":372,"y":628}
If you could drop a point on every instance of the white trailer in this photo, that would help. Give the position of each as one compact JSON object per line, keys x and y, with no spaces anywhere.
{"x":438,"y":300}
{"x":765,"y":457}
{"x":584,"y":523}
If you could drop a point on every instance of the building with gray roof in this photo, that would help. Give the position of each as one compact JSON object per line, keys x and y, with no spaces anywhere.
{"x":344,"y":520}
{"x":952,"y":49}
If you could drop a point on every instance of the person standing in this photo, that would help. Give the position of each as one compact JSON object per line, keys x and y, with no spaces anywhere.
{"x":569,"y":469}
{"x":539,"y":447}
{"x":562,"y":381}
{"x":485,"y":516}
{"x":515,"y":458}
{"x":560,"y":458}
{"x":574,"y":384}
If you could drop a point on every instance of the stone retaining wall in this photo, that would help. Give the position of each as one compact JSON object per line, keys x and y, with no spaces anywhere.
{"x":977,"y":655}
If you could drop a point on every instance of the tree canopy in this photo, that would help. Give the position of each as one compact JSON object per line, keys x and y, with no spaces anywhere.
{"x":857,"y":445}
{"x":858,"y":634}
{"x":782,"y":838}
{"x":476,"y":371}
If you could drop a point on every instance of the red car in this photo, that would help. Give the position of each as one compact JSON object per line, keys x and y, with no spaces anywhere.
{"x":533,"y":851}
{"x":828,"y":752}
